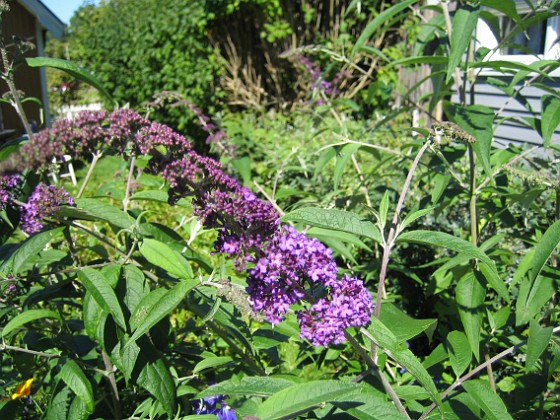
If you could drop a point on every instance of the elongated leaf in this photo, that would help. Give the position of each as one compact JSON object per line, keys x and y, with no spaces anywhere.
{"x":539,"y":338}
{"x":78,"y":409}
{"x":98,"y":286}
{"x":155,"y":378}
{"x":77,"y":381}
{"x":144,"y":306}
{"x":470,"y":299}
{"x":487,"y":400}
{"x":478,"y":121}
{"x":136,"y":287}
{"x":248,"y":386}
{"x":459,"y":351}
{"x":464,"y":22}
{"x":94,"y":209}
{"x":550,"y":117}
{"x":161,"y":255}
{"x":403,"y":326}
{"x":384,"y":338}
{"x":18,"y":256}
{"x":151,"y":195}
{"x":335,"y":219}
{"x":342,"y":160}
{"x":462,"y":246}
{"x":159,"y":309}
{"x":72,"y":69}
{"x":211,"y":362}
{"x":29,"y":315}
{"x":533,"y":296}
{"x":377,"y":22}
{"x":369,"y":404}
{"x":93,"y":316}
{"x":58,"y":406}
{"x":507,"y":7}
{"x":300,"y":398}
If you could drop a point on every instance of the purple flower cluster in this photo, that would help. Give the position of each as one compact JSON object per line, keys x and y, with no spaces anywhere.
{"x":9,"y":185}
{"x":291,"y":265}
{"x":348,"y":305}
{"x":209,"y":405}
{"x":43,"y":202}
{"x":317,"y":79}
{"x":287,"y":267}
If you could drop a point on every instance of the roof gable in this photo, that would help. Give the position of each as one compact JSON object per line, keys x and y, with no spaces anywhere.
{"x":46,"y":18}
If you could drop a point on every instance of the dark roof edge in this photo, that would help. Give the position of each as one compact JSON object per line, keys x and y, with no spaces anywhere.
{"x":46,"y":18}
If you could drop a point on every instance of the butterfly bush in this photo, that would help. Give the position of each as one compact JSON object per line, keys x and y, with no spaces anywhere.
{"x":284,"y":266}
{"x":8,"y":187}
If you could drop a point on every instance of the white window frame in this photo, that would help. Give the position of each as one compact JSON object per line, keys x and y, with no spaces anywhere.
{"x":485,"y":38}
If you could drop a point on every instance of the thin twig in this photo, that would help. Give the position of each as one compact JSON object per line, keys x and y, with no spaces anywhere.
{"x":96,"y":157}
{"x":476,"y":370}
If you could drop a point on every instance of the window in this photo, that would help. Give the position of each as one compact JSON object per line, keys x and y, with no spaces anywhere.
{"x":538,"y":41}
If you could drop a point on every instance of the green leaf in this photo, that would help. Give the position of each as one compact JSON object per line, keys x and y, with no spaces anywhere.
{"x":470,"y":295}
{"x":18,"y":256}
{"x":413,"y":216}
{"x":150,"y":315}
{"x":377,"y":22}
{"x":550,"y":117}
{"x":58,"y":405}
{"x":77,"y":381}
{"x":301,"y":398}
{"x":212,"y":362}
{"x":368,"y":403}
{"x":157,"y":380}
{"x":384,"y":208}
{"x":487,"y":400}
{"x":539,"y":338}
{"x":78,"y":410}
{"x":98,"y":286}
{"x":478,"y":121}
{"x":403,"y":326}
{"x":248,"y":386}
{"x":343,"y":157}
{"x":136,"y":286}
{"x":335,"y":219}
{"x":533,"y":296}
{"x":459,"y":351}
{"x":144,"y":306}
{"x":462,"y":246}
{"x":94,"y":210}
{"x":72,"y":69}
{"x":506,"y":7}
{"x":27,"y":316}
{"x":385,"y":339}
{"x":162,"y":256}
{"x":94,"y":317}
{"x":464,"y":23}
{"x":151,"y":195}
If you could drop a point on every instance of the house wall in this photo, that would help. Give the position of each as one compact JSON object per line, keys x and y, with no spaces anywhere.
{"x":18,"y":21}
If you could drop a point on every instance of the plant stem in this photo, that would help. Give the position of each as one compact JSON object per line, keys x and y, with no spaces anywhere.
{"x":110,"y":375}
{"x":373,"y":365}
{"x":96,"y":156}
{"x":21,"y":350}
{"x":389,"y":243}
{"x":128,"y":183}
{"x":472,"y":202}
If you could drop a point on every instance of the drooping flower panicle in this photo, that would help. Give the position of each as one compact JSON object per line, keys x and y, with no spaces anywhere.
{"x":287,"y":266}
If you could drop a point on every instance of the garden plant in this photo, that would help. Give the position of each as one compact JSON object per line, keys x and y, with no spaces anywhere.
{"x":333,"y":261}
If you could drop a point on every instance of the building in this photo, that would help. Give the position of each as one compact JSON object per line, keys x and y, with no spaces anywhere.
{"x":30,"y":20}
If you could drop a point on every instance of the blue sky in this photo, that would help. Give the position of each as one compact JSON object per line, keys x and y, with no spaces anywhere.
{"x":64,"y":9}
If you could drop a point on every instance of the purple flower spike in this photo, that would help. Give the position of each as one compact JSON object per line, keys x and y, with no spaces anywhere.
{"x":44,"y":201}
